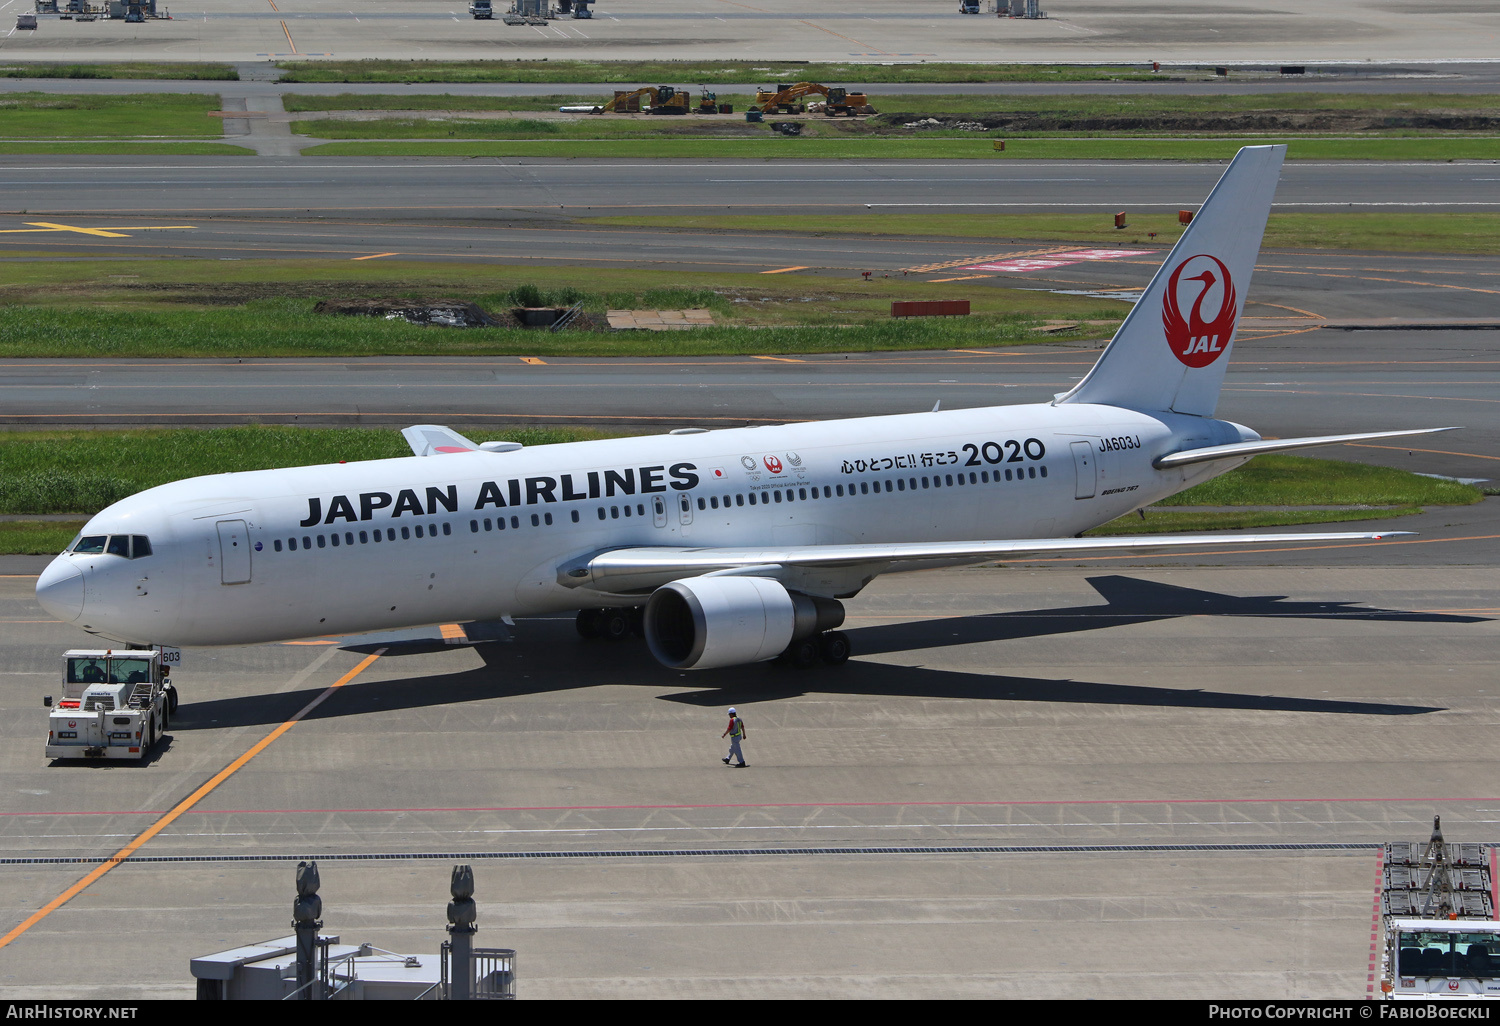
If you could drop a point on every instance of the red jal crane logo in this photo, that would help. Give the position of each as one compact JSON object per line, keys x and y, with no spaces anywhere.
{"x":773,"y":464}
{"x":1195,"y":341}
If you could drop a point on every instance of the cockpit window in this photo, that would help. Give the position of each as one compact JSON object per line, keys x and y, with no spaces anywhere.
{"x":131,"y":546}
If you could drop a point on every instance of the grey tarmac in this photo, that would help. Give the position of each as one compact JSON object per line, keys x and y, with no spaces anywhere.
{"x":1174,"y":733}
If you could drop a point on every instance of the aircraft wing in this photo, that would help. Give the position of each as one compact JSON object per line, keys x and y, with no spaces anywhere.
{"x":633,"y":569}
{"x":435,"y":440}
{"x":1239,"y":450}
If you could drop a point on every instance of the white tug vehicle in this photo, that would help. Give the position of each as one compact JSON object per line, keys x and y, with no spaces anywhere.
{"x":115,"y":704}
{"x":1438,"y":912}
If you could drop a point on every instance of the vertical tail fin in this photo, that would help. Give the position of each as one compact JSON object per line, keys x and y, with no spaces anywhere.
{"x":1173,"y":349}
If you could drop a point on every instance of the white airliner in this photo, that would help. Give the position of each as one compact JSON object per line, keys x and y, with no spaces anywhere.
{"x":721,"y":547}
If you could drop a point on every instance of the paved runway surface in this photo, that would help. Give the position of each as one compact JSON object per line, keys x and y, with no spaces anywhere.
{"x":875,"y":31}
{"x":365,"y":188}
{"x":1063,"y":707}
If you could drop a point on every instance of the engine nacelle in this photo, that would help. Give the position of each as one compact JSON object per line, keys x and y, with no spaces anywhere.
{"x":702,"y":623}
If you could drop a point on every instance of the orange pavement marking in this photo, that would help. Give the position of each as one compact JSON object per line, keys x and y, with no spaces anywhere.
{"x":374,"y":256}
{"x":182,"y":806}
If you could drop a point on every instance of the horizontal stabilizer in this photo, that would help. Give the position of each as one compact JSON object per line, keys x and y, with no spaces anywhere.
{"x":1239,"y":450}
{"x":621,"y":570}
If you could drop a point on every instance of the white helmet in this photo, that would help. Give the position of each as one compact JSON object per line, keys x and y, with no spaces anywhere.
{"x":731,"y":711}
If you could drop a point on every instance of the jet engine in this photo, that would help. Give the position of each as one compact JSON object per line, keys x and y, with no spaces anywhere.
{"x":702,"y":623}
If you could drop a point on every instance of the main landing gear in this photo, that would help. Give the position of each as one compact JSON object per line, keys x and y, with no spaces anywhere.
{"x":610,"y":624}
{"x":830,"y":648}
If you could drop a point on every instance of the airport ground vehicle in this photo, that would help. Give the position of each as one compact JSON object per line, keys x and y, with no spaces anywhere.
{"x":664,"y":100}
{"x":115,"y":704}
{"x":968,"y":6}
{"x":482,"y":9}
{"x":1440,"y":936}
{"x":788,"y":100}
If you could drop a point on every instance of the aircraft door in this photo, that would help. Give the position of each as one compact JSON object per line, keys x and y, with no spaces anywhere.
{"x":1083,"y":463}
{"x":659,"y":511}
{"x":234,"y":552}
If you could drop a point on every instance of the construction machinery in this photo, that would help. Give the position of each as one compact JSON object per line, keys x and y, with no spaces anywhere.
{"x":664,"y":100}
{"x":837,"y":101}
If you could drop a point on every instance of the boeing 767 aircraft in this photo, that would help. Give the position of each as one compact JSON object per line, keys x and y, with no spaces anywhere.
{"x":732,"y":546}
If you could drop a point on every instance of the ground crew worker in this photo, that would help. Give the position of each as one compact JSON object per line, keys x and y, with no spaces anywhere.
{"x":736,"y":733}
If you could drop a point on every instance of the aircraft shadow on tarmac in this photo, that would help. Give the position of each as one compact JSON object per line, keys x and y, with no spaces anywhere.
{"x":550,"y":659}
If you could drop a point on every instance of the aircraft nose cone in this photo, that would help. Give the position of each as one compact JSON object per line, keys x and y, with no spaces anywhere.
{"x":60,"y":590}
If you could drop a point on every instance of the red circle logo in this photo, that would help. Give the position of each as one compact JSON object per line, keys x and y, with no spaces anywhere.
{"x":773,"y":464}
{"x":1202,"y":336}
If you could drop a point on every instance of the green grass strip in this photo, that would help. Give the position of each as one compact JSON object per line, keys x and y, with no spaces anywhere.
{"x":1069,"y":105}
{"x":653,"y":73}
{"x":1181,"y":522}
{"x":37,"y":538}
{"x":1282,"y":480}
{"x":168,"y":70}
{"x":51,"y":472}
{"x":290,"y":328}
{"x":32,"y":116}
{"x":1396,"y":232}
{"x":125,"y":148}
{"x":886,"y":148}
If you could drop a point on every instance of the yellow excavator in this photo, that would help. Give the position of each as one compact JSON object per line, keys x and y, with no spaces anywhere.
{"x":664,"y":100}
{"x":837,"y":101}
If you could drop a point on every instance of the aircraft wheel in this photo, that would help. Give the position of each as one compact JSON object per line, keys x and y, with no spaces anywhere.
{"x":802,"y":654}
{"x":614,"y":624}
{"x":834,"y":647}
{"x":590,"y":623}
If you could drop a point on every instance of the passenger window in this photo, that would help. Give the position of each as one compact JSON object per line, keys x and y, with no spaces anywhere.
{"x":752,"y":498}
{"x":535,"y":520}
{"x":900,"y":484}
{"x":119,"y":545}
{"x":601,"y":513}
{"x":306,"y":541}
{"x":418,"y":530}
{"x":364,"y":539}
{"x":703,"y":503}
{"x":627,"y":511}
{"x":376,"y":534}
{"x":739,"y":500}
{"x":839,"y":491}
{"x":777,"y":494}
{"x":1044,"y":471}
{"x":406,"y":533}
{"x":575,"y":516}
{"x":713,"y":500}
{"x":1031,"y":472}
{"x":802,"y":493}
{"x":447,"y":528}
{"x":473,"y":527}
{"x":640,"y":509}
{"x":547,"y":519}
{"x":487,"y":524}
{"x":334,"y":537}
{"x":322,"y":542}
{"x":276,"y":545}
{"x":515,"y":522}
{"x":864,"y":488}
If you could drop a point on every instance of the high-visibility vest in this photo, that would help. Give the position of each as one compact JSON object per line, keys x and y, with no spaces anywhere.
{"x":737,"y":728}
